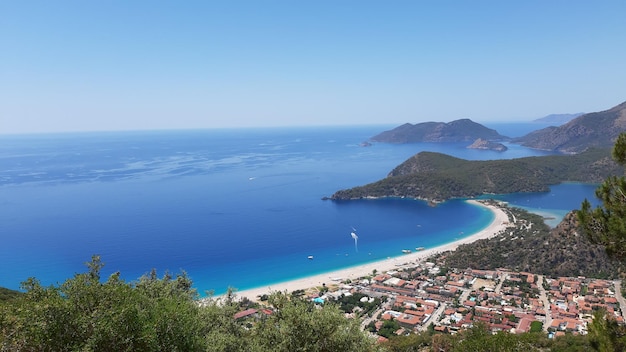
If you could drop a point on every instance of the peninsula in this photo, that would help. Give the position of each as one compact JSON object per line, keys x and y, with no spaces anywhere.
{"x":438,"y":177}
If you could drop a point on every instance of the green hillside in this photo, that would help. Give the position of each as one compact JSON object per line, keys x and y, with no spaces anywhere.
{"x":533,"y":247}
{"x":437,"y":177}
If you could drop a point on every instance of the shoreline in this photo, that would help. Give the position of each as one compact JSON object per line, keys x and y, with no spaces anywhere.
{"x":499,"y":223}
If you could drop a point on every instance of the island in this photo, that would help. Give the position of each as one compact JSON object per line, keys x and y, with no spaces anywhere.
{"x":463,"y":130}
{"x":484,"y":144}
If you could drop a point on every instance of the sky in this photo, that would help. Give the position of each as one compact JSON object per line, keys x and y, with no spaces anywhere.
{"x":69,"y":66}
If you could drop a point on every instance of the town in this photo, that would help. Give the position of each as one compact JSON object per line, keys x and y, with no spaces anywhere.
{"x":428,"y":295}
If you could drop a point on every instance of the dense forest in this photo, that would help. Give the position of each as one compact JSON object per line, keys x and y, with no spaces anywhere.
{"x":437,"y":177}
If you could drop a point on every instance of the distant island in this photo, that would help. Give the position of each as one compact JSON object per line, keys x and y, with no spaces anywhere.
{"x":487,"y":145}
{"x":464,"y":130}
{"x":437,"y":177}
{"x":557,"y":119}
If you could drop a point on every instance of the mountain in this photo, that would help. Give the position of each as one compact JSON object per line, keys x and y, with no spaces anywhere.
{"x":558,"y":119}
{"x":464,"y":130}
{"x":437,"y":177}
{"x":596,"y":129}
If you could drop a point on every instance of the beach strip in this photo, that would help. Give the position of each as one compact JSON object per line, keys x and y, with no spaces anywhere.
{"x":499,"y":223}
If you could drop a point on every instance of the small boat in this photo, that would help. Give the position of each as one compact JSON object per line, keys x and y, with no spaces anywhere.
{"x":420,"y":248}
{"x":406,"y":251}
{"x":310,"y":257}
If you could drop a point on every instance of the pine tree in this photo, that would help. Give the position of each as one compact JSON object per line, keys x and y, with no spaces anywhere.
{"x":606,"y":224}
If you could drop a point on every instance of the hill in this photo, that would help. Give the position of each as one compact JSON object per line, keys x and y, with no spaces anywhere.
{"x":596,"y":129}
{"x":557,"y":119}
{"x":534,"y":247}
{"x":437,"y":177}
{"x":7,"y":294}
{"x":464,"y":130}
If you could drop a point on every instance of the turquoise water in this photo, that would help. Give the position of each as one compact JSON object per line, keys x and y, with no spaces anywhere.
{"x":240,"y":208}
{"x":554,"y":205}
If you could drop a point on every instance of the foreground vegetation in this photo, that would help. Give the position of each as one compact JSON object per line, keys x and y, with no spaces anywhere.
{"x":86,"y":313}
{"x":6,"y":294}
{"x":162,"y":314}
{"x":606,"y":224}
{"x":436,"y":176}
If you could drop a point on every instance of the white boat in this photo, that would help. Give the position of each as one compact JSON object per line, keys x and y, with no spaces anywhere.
{"x":310,"y":257}
{"x":405,"y":251}
{"x":419,"y":249}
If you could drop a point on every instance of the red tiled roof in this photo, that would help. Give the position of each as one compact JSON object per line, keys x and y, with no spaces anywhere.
{"x":409,"y":319}
{"x":245,"y":313}
{"x":523,"y":326}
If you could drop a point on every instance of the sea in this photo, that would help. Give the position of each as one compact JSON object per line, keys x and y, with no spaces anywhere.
{"x":239,"y":208}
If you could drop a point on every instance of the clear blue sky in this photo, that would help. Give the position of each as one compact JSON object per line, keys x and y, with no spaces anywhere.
{"x":118,"y":65}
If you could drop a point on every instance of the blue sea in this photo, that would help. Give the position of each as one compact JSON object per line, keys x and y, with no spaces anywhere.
{"x":232,"y":207}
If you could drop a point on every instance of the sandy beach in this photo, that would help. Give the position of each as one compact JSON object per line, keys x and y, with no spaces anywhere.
{"x":499,"y":223}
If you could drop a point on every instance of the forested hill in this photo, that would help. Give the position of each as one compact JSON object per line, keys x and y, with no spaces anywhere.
{"x":533,"y":247}
{"x":437,"y":177}
{"x":596,"y":129}
{"x":464,"y":130}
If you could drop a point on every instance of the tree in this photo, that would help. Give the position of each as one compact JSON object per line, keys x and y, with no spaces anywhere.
{"x":606,"y":224}
{"x":479,"y":338}
{"x":7,"y":294}
{"x":605,"y":334}
{"x":536,"y":326}
{"x":410,"y":343}
{"x":298,"y":325}
{"x":85,"y":314}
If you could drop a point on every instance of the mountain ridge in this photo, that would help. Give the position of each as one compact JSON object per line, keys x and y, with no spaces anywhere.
{"x":596,"y":129}
{"x":558,"y":119}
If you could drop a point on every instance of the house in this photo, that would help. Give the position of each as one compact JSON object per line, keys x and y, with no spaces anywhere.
{"x":245,"y":314}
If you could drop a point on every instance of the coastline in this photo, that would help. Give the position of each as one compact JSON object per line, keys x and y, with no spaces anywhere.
{"x":499,"y":223}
